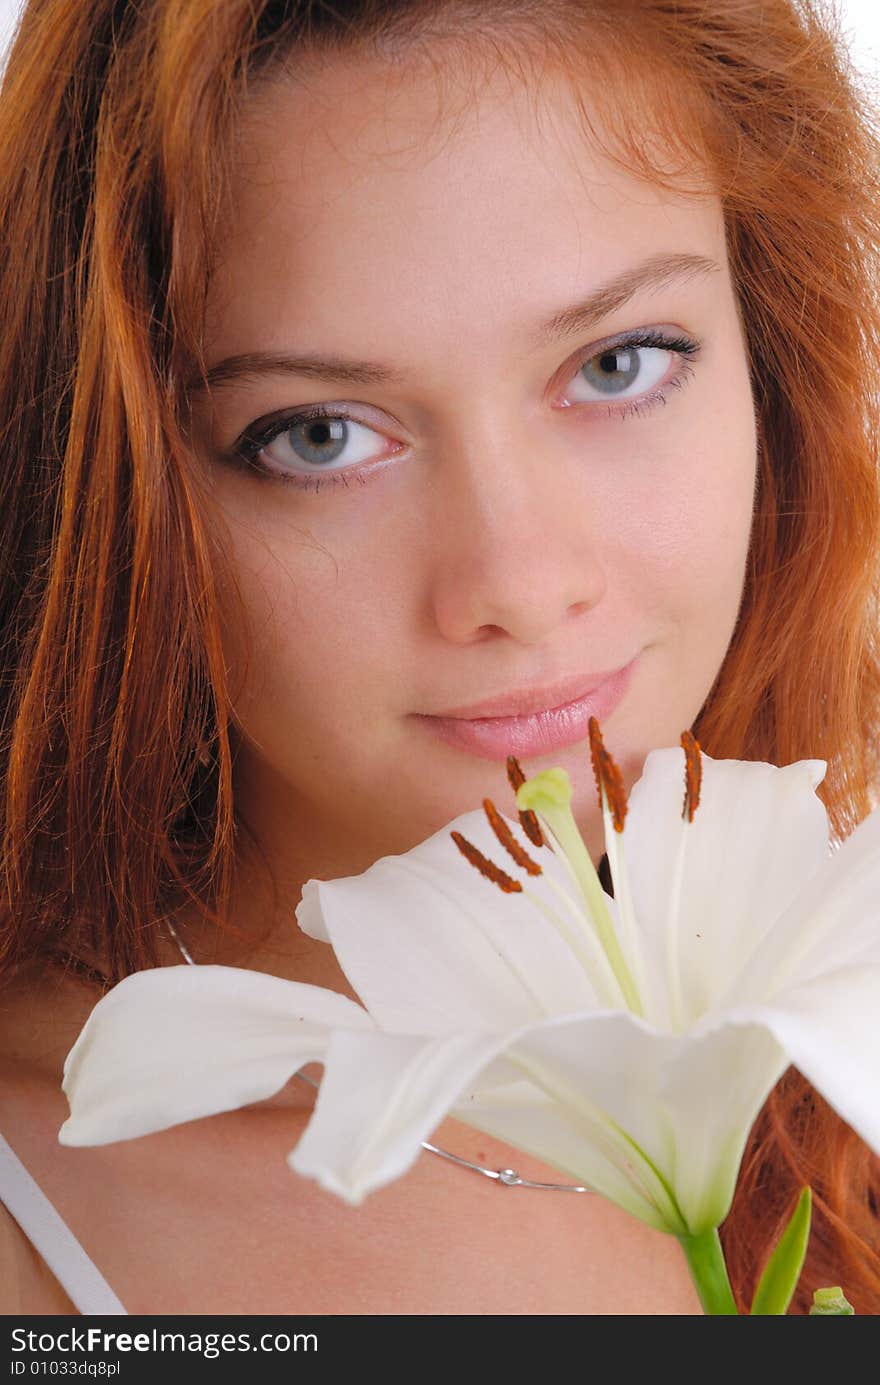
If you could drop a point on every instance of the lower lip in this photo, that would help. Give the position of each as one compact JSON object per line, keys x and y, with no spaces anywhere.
{"x":539,"y":733}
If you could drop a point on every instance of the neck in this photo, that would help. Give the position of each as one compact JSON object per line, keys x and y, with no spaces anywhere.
{"x":262,"y":935}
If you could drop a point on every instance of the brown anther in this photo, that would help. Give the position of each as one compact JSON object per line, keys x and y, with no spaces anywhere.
{"x":515,"y":776}
{"x":528,"y":819}
{"x":508,"y":840}
{"x":693,"y":775}
{"x":485,"y":866}
{"x":608,"y":776}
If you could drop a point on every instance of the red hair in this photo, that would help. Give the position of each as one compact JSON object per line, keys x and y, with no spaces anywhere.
{"x":116,"y":132}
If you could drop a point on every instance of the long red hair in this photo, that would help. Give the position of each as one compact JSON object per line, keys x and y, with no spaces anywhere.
{"x":117,"y":125}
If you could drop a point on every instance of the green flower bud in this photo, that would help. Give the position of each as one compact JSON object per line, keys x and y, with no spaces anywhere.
{"x":831,"y":1303}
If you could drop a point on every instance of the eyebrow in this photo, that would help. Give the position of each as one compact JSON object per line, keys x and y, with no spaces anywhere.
{"x":653,"y":273}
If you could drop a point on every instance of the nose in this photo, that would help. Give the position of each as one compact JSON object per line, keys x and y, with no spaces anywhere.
{"x":514,"y":548}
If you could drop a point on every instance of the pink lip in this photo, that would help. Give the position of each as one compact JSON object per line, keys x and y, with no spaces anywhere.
{"x":533,"y":722}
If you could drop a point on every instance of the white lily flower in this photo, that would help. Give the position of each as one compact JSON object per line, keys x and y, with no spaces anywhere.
{"x":628,"y":1042}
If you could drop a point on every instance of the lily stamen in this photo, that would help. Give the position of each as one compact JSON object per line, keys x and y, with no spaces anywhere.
{"x":582,"y":943}
{"x":508,"y":840}
{"x":486,"y":867}
{"x":614,"y":807}
{"x":528,"y":819}
{"x":608,"y":776}
{"x":693,"y":778}
{"x":693,"y":774}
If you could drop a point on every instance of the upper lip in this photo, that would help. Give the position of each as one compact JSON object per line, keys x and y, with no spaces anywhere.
{"x":524,"y":701}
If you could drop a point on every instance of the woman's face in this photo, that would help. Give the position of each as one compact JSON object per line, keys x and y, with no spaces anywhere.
{"x":530,"y":464}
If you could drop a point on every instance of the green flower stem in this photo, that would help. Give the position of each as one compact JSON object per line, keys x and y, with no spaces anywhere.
{"x":709,"y":1272}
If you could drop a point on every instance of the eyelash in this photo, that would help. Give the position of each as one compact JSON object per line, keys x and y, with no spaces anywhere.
{"x":246,"y":451}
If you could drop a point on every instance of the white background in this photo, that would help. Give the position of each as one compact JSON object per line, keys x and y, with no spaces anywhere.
{"x":861,"y":24}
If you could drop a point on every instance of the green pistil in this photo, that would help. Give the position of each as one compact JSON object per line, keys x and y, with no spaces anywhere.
{"x":549,"y":795}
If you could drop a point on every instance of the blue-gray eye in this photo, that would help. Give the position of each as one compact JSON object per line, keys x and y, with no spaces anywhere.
{"x":313,"y":440}
{"x":319,"y":441}
{"x":621,"y":368}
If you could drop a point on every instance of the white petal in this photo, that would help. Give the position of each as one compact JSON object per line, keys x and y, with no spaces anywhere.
{"x":758,"y":834}
{"x":380,"y":1096}
{"x":834,"y":920}
{"x":830,"y":1028}
{"x":687,"y":1103}
{"x":583,"y":1149}
{"x":174,"y":1043}
{"x":733,"y":1067}
{"x":432,"y":948}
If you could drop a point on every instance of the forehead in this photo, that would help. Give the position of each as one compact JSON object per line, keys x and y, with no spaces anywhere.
{"x":460,"y":191}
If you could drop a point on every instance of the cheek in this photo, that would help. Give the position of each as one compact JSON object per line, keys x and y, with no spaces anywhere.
{"x":685,"y":519}
{"x":685,"y":564}
{"x":315,"y":621}
{"x":696,"y":551}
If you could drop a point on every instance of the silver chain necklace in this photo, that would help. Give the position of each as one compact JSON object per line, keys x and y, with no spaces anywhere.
{"x":506,"y":1178}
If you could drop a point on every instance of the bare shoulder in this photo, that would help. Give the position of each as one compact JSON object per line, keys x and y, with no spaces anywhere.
{"x":199,"y":1197}
{"x":10,"y":1275}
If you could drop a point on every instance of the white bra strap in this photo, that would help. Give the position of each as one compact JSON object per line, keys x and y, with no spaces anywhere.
{"x":53,"y":1239}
